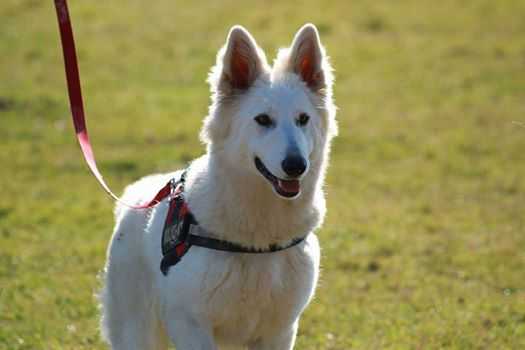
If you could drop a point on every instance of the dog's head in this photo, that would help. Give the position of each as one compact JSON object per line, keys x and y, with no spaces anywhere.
{"x":273,"y":122}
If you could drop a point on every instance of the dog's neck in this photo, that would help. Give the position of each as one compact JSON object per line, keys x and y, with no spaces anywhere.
{"x":242,"y":208}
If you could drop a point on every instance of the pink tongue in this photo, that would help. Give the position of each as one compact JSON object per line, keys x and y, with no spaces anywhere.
{"x":289,"y":186}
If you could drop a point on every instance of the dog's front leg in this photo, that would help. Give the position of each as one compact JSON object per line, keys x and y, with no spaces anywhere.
{"x":188,"y":334}
{"x":282,"y":341}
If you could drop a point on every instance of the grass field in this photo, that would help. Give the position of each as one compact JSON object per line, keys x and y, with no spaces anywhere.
{"x":424,"y":243}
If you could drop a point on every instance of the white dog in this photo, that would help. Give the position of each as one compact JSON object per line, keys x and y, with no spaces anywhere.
{"x":259,"y":186}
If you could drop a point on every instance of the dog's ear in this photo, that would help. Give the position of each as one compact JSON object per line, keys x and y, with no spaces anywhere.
{"x":239,"y":62}
{"x":307,"y":58}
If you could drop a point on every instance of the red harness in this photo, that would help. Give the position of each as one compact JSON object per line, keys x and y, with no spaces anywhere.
{"x":77,"y":107}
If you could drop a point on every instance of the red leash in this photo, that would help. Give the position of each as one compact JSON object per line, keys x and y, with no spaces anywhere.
{"x":77,"y":106}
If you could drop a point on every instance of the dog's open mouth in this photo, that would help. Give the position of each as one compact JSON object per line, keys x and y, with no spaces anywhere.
{"x":285,"y":188}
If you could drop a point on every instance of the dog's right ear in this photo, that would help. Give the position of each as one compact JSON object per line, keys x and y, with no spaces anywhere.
{"x":239,"y":63}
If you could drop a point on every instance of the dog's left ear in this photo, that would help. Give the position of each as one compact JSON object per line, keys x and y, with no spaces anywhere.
{"x":307,"y":58}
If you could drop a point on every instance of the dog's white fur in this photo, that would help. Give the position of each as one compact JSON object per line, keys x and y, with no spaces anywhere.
{"x":214,"y":299}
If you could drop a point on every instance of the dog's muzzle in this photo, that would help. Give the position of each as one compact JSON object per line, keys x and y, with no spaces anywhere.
{"x":285,"y":188}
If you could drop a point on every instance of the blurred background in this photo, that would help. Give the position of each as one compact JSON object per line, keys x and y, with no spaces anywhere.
{"x":424,"y":242}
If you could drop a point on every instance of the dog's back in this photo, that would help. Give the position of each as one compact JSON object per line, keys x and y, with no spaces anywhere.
{"x":126,"y":299}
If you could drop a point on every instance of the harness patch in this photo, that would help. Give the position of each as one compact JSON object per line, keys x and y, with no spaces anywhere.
{"x":176,"y":228}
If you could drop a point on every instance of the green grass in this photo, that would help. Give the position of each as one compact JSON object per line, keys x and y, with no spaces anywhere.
{"x":424,"y":243}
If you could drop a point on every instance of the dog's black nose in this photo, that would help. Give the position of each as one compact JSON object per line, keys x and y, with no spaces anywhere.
{"x":294,"y":165}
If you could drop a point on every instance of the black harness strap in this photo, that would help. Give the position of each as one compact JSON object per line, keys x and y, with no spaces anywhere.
{"x":177,"y":239}
{"x":218,"y":244}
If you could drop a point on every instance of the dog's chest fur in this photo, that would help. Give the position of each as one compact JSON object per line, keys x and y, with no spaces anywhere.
{"x":243,"y":297}
{"x":256,"y":296}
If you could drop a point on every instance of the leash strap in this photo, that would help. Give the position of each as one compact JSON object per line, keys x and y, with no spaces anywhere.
{"x":77,"y":106}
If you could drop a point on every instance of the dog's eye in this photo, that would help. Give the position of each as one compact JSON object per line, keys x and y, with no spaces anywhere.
{"x":264,"y":120}
{"x":303,"y":119}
